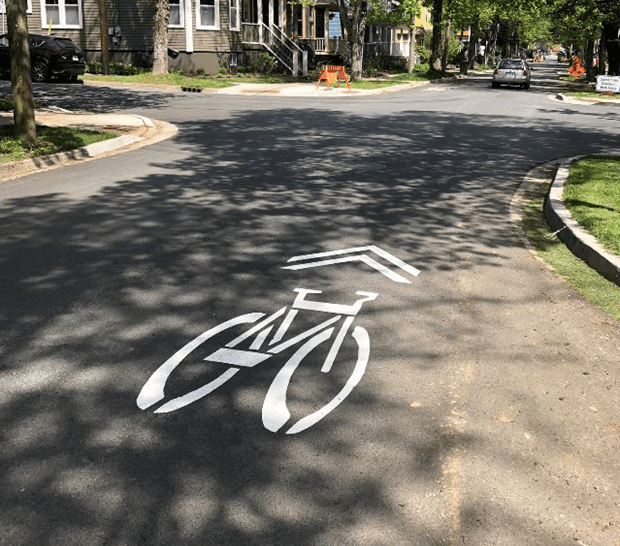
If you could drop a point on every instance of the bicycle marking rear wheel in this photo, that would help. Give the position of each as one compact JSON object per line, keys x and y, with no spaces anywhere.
{"x":153,"y":390}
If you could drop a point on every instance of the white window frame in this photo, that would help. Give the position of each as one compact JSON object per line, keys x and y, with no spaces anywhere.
{"x":216,"y":26}
{"x":61,"y":14}
{"x":235,"y":23}
{"x":3,"y":6}
{"x":181,"y":15}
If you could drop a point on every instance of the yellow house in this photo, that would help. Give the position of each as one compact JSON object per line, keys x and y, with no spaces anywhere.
{"x":396,"y":39}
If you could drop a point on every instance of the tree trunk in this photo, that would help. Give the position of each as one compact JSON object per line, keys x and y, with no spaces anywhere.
{"x":353,"y":32}
{"x":160,"y":37}
{"x":493,"y":44}
{"x":471,"y":52}
{"x":473,"y":42}
{"x":612,"y":43}
{"x":357,"y":47}
{"x":411,"y":59}
{"x":589,"y":59}
{"x":446,"y":40}
{"x":103,"y":30}
{"x":21,"y":80}
{"x":602,"y":55}
{"x":435,"y":62}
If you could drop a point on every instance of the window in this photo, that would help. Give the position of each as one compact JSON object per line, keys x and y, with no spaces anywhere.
{"x":234,"y":14}
{"x":208,"y":16}
{"x":250,"y":11}
{"x":176,"y":13}
{"x":61,"y":14}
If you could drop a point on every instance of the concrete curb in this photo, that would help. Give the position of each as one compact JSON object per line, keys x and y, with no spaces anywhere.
{"x":581,"y":243}
{"x":146,"y":132}
{"x":577,"y":100}
{"x":27,"y":166}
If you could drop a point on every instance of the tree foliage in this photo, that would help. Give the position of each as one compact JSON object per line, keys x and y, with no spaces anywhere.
{"x":579,"y":25}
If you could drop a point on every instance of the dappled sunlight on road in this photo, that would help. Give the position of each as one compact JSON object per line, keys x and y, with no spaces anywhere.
{"x":99,"y":291}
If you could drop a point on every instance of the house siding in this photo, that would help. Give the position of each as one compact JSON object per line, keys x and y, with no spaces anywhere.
{"x":133,"y":43}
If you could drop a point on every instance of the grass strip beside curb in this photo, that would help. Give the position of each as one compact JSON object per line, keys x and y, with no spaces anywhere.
{"x":50,"y":140}
{"x":592,"y":195}
{"x":575,"y":272}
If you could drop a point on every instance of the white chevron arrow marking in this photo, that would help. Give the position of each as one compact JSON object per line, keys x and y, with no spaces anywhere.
{"x":340,"y":256}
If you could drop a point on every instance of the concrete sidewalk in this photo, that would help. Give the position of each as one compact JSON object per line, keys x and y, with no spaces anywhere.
{"x":282,"y":89}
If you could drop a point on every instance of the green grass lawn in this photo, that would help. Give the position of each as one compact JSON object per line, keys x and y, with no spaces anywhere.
{"x":174,"y":78}
{"x":552,"y":251}
{"x":591,"y":95}
{"x":592,"y":195}
{"x":50,"y":140}
{"x":399,"y":79}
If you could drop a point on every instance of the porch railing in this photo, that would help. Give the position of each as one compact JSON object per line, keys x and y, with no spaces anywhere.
{"x":285,"y":50}
{"x":399,"y":50}
{"x":395,"y":49}
{"x":320,"y":44}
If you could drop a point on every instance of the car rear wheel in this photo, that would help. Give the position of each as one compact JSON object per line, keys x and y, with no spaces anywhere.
{"x":39,"y":71}
{"x":495,"y":85}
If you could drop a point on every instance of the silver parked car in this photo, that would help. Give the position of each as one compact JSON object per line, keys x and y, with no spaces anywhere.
{"x":512,"y":72}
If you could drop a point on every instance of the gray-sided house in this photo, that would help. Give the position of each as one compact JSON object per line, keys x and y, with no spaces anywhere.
{"x":207,"y":34}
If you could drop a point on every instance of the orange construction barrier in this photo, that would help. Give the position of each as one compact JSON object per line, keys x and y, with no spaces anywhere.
{"x":576,"y":70}
{"x":333,"y":74}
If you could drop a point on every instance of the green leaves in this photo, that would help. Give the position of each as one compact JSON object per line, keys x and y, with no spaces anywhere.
{"x":394,"y":12}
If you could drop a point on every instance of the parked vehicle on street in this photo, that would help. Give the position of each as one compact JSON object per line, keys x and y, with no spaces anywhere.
{"x":50,"y":56}
{"x":512,"y":72}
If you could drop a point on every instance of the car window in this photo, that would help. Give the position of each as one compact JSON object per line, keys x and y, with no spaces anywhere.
{"x":511,"y":64}
{"x":65,"y":42}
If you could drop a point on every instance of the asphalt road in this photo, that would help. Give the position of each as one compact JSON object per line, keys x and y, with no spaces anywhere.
{"x":488,"y":410}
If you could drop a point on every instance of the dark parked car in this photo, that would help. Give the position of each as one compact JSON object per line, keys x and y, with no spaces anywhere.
{"x":50,"y":56}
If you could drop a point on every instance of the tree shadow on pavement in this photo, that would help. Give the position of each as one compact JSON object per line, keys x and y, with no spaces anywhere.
{"x":85,"y":98}
{"x":99,"y":291}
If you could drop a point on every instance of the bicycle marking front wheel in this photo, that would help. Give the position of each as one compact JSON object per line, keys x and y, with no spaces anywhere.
{"x":275,"y":411}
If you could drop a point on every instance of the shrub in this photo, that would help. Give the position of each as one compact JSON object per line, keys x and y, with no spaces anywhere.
{"x":264,"y":64}
{"x":424,"y":53}
{"x":384,"y":62}
{"x":118,"y":69}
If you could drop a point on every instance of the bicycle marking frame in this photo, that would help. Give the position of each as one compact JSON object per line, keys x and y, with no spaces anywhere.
{"x":275,"y":412}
